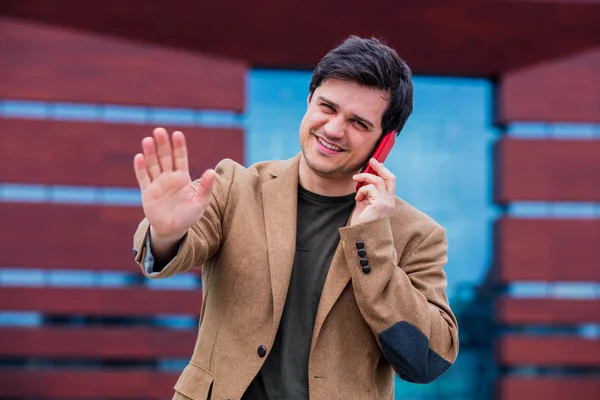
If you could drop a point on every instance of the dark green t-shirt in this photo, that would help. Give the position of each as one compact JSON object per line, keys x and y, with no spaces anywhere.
{"x":285,"y":372}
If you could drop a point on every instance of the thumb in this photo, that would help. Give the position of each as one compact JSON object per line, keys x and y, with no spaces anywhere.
{"x":206,"y":183}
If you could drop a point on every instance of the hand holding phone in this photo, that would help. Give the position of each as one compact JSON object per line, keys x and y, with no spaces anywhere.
{"x":380,"y":154}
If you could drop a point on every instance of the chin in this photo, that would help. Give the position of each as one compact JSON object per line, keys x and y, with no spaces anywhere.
{"x":325,"y":166}
{"x":318,"y":163}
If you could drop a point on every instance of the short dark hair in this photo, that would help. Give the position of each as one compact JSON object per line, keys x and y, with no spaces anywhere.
{"x":371,"y":63}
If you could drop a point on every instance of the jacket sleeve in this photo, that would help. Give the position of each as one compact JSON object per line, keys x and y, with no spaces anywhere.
{"x":404,"y":301}
{"x":200,"y":242}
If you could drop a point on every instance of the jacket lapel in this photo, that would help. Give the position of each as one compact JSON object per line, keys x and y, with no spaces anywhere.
{"x":280,"y":202}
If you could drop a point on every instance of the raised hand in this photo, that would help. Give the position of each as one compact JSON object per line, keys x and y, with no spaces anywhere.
{"x":171,"y":202}
{"x":376,"y":199}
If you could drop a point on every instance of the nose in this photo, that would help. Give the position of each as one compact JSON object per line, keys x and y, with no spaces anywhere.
{"x":335,"y":126}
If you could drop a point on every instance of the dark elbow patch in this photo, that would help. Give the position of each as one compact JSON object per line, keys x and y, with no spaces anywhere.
{"x":407,"y":349}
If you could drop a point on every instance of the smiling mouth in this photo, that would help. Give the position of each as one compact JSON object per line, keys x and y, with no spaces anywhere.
{"x":329,"y":146}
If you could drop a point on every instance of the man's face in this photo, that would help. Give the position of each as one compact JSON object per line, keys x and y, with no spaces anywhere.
{"x":341,"y":127}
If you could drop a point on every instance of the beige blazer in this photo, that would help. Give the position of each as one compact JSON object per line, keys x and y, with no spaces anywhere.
{"x":394,"y":319}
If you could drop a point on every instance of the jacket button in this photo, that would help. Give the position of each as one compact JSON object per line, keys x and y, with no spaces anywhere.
{"x":262,"y":351}
{"x":366,"y":269}
{"x":360,"y":244}
{"x":364,"y":261}
{"x":362,"y":252}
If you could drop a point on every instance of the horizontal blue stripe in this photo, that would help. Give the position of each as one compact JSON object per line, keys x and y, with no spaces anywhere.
{"x":120,"y":114}
{"x":36,"y":319}
{"x":173,"y":365}
{"x":132,"y":197}
{"x":32,"y":277}
{"x":555,"y":290}
{"x":539,"y":130}
{"x":554,"y":210}
{"x":70,"y":194}
{"x":176,"y":321}
{"x":590,"y":331}
{"x":29,"y":319}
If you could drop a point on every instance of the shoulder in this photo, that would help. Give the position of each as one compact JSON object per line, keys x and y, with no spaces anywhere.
{"x":229,"y":169}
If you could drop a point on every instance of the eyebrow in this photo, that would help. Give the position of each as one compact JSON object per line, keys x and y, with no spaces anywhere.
{"x":334,"y":105}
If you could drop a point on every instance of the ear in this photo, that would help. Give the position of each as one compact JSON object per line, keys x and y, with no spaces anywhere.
{"x":308,"y":99}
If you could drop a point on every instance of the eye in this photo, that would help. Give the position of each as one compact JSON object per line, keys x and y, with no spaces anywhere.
{"x":359,"y":125}
{"x":328,"y":108}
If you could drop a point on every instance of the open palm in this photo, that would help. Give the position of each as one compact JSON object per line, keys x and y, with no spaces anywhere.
{"x":172,"y":202}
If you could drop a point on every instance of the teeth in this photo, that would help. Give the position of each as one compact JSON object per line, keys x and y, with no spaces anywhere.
{"x":335,"y":148}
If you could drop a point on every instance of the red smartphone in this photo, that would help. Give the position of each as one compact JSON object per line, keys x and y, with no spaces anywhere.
{"x":380,"y":154}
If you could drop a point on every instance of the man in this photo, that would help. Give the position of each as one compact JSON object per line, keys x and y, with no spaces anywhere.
{"x":310,"y":289}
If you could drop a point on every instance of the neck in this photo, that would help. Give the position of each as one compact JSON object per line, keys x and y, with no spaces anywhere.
{"x":334,"y":186}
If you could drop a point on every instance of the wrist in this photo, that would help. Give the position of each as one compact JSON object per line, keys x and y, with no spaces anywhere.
{"x":162,"y":244}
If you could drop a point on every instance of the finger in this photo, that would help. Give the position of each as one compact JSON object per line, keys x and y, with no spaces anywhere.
{"x":180,"y":152}
{"x":150,"y":157}
{"x":206,"y":183}
{"x":163,"y":149}
{"x":372,"y":179}
{"x":367,"y":192}
{"x":386,"y":174}
{"x":141,"y":174}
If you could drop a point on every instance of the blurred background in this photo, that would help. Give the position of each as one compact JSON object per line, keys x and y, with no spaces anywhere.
{"x":503,"y":149}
